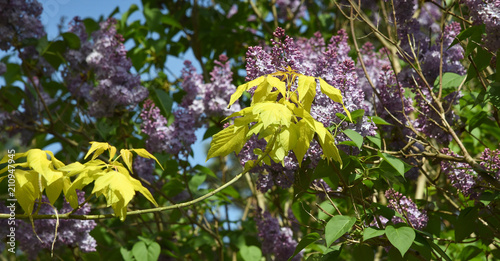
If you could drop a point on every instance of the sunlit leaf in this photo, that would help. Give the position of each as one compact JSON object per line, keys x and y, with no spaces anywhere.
{"x":227,"y":141}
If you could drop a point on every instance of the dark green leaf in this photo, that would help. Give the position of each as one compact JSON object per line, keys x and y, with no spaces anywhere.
{"x":355,"y":137}
{"x":477,"y":120}
{"x":332,"y":253}
{"x":469,"y":252}
{"x":494,"y":94}
{"x":371,"y":233}
{"x":170,"y":20}
{"x":439,"y":250}
{"x":211,"y":131}
{"x":401,"y":238}
{"x":205,"y":170}
{"x":338,"y":226}
{"x":72,"y":40}
{"x":165,"y":101}
{"x":465,"y":224}
{"x":307,"y":240}
{"x":363,"y":252}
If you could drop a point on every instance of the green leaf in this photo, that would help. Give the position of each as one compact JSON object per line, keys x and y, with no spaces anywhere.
{"x":126,"y":254}
{"x":165,"y":101}
{"x":469,"y":252}
{"x":372,"y":232}
{"x":250,"y":253}
{"x":439,"y":250}
{"x":170,"y":20}
{"x":211,"y":131}
{"x":401,"y":238}
{"x":396,"y":163}
{"x":338,"y":226}
{"x":140,"y":251}
{"x":494,"y":94}
{"x":477,"y":120}
{"x":304,"y":242}
{"x":450,"y":83}
{"x":363,"y":252}
{"x":227,"y":141}
{"x":72,"y":40}
{"x":376,"y":140}
{"x":465,"y":223}
{"x":379,"y":121}
{"x":354,"y":136}
{"x":196,"y":181}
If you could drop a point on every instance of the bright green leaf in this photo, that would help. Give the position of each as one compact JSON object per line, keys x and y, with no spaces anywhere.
{"x":396,"y":163}
{"x":250,"y":253}
{"x":227,"y":141}
{"x":370,"y":232}
{"x":354,"y":136}
{"x":338,"y":226}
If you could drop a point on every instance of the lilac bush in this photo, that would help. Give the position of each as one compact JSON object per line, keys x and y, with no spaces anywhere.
{"x":70,"y":233}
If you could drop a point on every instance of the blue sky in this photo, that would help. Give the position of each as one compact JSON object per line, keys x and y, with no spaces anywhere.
{"x":54,"y":10}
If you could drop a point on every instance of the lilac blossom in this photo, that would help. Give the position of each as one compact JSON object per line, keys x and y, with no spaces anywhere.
{"x":288,"y":9}
{"x":71,"y":232}
{"x":487,"y":12}
{"x":19,"y":20}
{"x":201,"y":102}
{"x":207,"y":100}
{"x":275,"y":239}
{"x":3,"y":68}
{"x":116,"y":85}
{"x":407,"y":208}
{"x":144,"y":168}
{"x":460,"y":174}
{"x":175,"y":138}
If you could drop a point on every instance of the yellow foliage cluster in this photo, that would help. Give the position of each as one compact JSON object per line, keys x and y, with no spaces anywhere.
{"x":112,"y":180}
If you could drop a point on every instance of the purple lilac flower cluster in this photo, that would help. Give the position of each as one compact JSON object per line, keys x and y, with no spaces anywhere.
{"x":465,"y":179}
{"x":71,"y":232}
{"x":461,"y":175}
{"x":173,"y":139}
{"x":490,"y":160}
{"x":3,"y":68}
{"x":415,"y":34}
{"x":311,"y":57}
{"x":19,"y":20}
{"x":288,"y":8}
{"x":116,"y":85}
{"x":202,"y":101}
{"x":104,"y":56}
{"x":144,"y":168}
{"x":275,"y":239}
{"x":407,"y":208}
{"x":207,"y":100}
{"x":487,"y":12}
